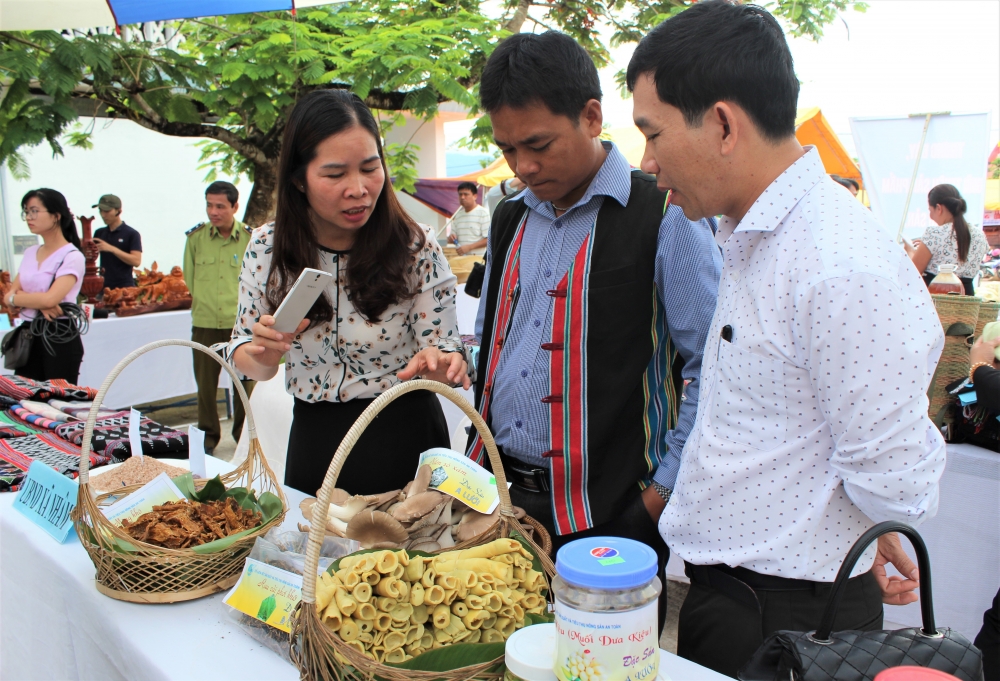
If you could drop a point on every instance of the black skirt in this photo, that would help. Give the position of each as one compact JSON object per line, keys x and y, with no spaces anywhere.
{"x":384,"y":457}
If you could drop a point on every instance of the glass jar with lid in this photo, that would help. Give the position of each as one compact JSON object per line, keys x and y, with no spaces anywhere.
{"x":606,"y":591}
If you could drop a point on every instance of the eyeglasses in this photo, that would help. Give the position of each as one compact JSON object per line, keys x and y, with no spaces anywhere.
{"x":33,"y":213}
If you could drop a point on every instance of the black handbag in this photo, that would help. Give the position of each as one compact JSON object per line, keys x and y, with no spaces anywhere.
{"x":16,"y":347}
{"x":825,"y":655}
{"x":474,"y":284}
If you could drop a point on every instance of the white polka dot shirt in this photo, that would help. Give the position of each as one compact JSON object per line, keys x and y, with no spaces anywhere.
{"x":813,"y":421}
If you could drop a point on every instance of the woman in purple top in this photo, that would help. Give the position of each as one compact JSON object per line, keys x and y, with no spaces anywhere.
{"x":50,"y":274}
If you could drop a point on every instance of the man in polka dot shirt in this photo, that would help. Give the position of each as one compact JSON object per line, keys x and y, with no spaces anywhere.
{"x":813,"y":424}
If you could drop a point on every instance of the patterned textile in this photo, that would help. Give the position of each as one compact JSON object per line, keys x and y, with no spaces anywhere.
{"x":43,"y":409}
{"x":80,"y":409}
{"x":21,"y":388}
{"x":31,"y":418}
{"x":15,"y":426}
{"x":6,"y":402}
{"x":111,"y":437}
{"x":17,"y":454}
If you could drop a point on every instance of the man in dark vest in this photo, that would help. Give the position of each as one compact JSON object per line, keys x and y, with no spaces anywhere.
{"x":596,"y":306}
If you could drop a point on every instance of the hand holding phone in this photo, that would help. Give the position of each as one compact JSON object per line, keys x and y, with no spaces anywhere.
{"x":300,"y":299}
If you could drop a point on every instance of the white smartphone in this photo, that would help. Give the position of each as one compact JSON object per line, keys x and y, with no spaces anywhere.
{"x":299,"y":300}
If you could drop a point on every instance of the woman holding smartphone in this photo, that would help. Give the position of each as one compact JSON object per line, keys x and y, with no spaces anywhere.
{"x":392,"y":296}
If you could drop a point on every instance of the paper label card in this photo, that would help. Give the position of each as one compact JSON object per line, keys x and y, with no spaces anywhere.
{"x":455,"y":474}
{"x":196,"y":452}
{"x":266,"y":593}
{"x":134,"y":438}
{"x":157,"y":491}
{"x":47,"y":498}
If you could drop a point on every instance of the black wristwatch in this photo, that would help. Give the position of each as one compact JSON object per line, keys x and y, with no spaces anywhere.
{"x":662,"y":491}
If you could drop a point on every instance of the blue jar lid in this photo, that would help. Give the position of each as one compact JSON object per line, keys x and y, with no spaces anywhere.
{"x":606,"y":563}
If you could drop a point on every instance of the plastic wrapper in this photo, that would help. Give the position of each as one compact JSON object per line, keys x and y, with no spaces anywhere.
{"x":287,"y":550}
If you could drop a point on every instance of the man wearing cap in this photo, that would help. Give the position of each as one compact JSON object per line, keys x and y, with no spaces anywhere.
{"x":213,"y":259}
{"x":119,"y":244}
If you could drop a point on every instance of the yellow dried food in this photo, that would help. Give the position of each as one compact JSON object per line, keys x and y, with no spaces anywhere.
{"x":459,"y":608}
{"x":417,"y":594}
{"x":441,"y":617}
{"x":388,"y":587}
{"x":365,"y":611}
{"x":427,"y":578}
{"x":383,"y":621}
{"x":434,"y":595}
{"x":349,"y":630}
{"x":345,"y":602}
{"x":415,"y":570}
{"x":394,"y":639}
{"x":365,"y":624}
{"x":420,"y":614}
{"x":474,"y":619}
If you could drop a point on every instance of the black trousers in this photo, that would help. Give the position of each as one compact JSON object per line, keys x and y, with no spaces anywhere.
{"x":64,"y":364}
{"x":721,"y":632}
{"x":384,"y":457}
{"x":988,"y":641}
{"x":634,"y":522}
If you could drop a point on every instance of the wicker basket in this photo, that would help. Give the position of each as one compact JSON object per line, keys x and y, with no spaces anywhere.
{"x":321,"y":655}
{"x":988,"y":312}
{"x":153,"y":574}
{"x":953,"y":365}
{"x":962,"y":311}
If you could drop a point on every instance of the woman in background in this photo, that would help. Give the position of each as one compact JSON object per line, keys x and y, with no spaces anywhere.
{"x":51,"y":273}
{"x":950,"y":241}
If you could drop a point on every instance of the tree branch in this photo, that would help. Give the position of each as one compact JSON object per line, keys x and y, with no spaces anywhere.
{"x":520,"y":14}
{"x":149,"y":111}
{"x":16,"y":39}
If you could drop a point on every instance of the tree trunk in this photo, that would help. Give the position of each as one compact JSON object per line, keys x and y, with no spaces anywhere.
{"x":264,"y":195}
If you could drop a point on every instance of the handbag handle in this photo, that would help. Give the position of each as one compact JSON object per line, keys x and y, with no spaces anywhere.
{"x":822,"y":634}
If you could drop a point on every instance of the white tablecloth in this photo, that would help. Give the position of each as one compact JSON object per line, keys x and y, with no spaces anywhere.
{"x":963,"y":541}
{"x":55,"y":625}
{"x":158,"y":375}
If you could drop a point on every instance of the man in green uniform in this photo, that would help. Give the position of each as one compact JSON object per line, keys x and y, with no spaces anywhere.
{"x":213,"y":258}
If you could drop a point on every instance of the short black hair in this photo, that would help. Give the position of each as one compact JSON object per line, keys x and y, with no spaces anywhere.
{"x":550,"y":68}
{"x":718,"y":51}
{"x":471,"y":186}
{"x":846,"y":182}
{"x":227,"y":188}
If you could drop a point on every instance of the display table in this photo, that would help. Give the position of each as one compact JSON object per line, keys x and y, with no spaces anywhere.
{"x":963,"y":541}
{"x":159,"y":375}
{"x":55,"y":625}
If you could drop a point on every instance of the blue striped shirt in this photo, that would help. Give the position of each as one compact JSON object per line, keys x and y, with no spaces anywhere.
{"x":688,"y":266}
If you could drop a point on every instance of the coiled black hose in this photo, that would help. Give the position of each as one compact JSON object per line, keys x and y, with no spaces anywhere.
{"x":76,"y":324}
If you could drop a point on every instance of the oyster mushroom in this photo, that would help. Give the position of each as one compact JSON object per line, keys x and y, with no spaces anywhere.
{"x":432,"y":518}
{"x":333,"y":525}
{"x":379,"y":499}
{"x":420,"y":482}
{"x":474,"y":524}
{"x":444,"y":537}
{"x":518,"y":513}
{"x":425,"y":545}
{"x":374,"y":527}
{"x":416,"y":506}
{"x":426,"y":531}
{"x":349,"y":508}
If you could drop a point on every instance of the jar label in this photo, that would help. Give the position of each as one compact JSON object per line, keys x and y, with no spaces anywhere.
{"x":606,"y":646}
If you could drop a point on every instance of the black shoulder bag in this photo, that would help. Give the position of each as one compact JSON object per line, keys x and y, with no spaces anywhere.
{"x":16,"y":343}
{"x":825,"y":655}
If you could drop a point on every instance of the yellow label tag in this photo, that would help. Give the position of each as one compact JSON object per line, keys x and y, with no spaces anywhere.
{"x":459,"y":476}
{"x":267,"y":593}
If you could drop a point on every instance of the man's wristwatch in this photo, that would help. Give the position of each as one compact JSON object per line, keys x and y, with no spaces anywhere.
{"x":662,"y":491}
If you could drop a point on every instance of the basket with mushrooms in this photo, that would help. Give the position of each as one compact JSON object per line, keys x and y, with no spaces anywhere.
{"x":438,"y":587}
{"x":414,"y":517}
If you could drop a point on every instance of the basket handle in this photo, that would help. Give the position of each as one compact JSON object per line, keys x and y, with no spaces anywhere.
{"x":322,"y":507}
{"x":88,"y":431}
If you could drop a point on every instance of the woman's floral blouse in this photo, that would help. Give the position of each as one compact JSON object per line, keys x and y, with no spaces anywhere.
{"x":348,"y":357}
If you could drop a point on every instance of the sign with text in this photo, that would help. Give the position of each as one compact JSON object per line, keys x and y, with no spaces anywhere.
{"x":47,"y":498}
{"x":954,"y":152}
{"x":268,"y":593}
{"x":456,"y":474}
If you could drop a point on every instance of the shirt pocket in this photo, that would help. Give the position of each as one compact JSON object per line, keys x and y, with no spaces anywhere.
{"x":204,"y":268}
{"x":749,"y":403}
{"x":619,"y":276}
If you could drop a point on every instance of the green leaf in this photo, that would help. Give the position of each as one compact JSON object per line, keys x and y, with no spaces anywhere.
{"x":453,"y":657}
{"x":279,"y":39}
{"x":267,"y":608}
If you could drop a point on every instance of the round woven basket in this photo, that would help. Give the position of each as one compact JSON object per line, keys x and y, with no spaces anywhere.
{"x":320,"y":654}
{"x":953,"y":365}
{"x":988,"y":312}
{"x":153,"y":574}
{"x":962,"y":311}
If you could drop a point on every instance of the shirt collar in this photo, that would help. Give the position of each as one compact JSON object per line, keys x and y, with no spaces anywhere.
{"x":778,"y":199}
{"x":613,"y":179}
{"x":213,"y":231}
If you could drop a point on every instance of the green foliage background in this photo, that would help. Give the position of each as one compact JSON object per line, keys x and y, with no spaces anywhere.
{"x":233,"y":80}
